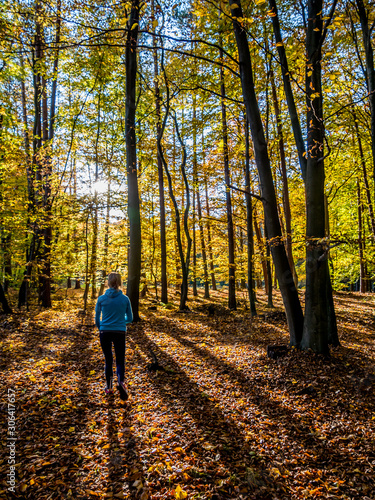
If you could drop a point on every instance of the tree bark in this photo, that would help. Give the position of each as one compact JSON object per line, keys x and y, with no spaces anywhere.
{"x":249,"y":225}
{"x":195,"y":187}
{"x":163,"y":241}
{"x":286,"y":203}
{"x":209,"y":240}
{"x":231,"y":262}
{"x":362,"y":262}
{"x":284,"y":275}
{"x":135,"y":242}
{"x":370,"y":70}
{"x":320,"y":322}
{"x":296,"y":126}
{"x":203,"y":246}
{"x":365,"y":176}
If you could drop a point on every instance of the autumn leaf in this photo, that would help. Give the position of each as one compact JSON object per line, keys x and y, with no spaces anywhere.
{"x":179,"y":493}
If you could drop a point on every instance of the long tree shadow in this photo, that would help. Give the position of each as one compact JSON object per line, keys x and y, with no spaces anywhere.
{"x":300,"y":431}
{"x":218,"y":429}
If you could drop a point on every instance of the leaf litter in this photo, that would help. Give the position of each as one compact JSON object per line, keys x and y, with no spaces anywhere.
{"x":221,"y":420}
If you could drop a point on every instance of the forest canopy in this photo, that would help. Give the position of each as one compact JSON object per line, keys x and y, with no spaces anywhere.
{"x":189,"y":145}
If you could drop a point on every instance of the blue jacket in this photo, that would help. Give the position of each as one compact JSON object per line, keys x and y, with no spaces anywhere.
{"x":115,"y":310}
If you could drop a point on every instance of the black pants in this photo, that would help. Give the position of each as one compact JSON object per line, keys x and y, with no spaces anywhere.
{"x":118,"y":340}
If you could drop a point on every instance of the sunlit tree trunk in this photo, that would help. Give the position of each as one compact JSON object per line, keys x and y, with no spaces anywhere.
{"x":361,"y":243}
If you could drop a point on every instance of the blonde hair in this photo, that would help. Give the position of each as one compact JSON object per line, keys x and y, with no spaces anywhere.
{"x":114,"y":280}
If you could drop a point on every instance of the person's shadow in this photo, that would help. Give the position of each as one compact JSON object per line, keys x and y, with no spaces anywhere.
{"x":125,"y":469}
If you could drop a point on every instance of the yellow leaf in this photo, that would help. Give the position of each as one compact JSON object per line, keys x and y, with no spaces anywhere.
{"x":32,"y":481}
{"x":134,"y":26}
{"x":71,"y":429}
{"x":279,"y":44}
{"x":23,"y":487}
{"x":260,"y":2}
{"x":294,"y":381}
{"x":234,"y":6}
{"x":155,"y":23}
{"x":179,"y":493}
{"x":92,"y":372}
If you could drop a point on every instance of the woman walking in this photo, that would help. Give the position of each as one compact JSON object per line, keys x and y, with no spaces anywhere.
{"x":112,"y":313}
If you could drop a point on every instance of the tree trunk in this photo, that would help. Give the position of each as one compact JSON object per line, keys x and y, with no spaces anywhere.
{"x":261,"y":250}
{"x":361,"y":242}
{"x":106,"y":242}
{"x":163,"y":241}
{"x":296,"y":126}
{"x":231,"y":264}
{"x":364,"y":17}
{"x":195,"y":187}
{"x":284,"y":275}
{"x":135,"y":242}
{"x":210,"y":252}
{"x":203,"y":246}
{"x":249,"y":225}
{"x":319,"y":313}
{"x":365,"y":176}
{"x":286,"y":203}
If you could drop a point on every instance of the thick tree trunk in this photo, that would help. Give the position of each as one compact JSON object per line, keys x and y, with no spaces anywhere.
{"x":320,"y":323}
{"x":284,"y":275}
{"x":231,"y":263}
{"x":135,"y":242}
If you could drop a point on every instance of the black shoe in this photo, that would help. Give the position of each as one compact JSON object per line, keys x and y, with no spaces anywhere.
{"x":124,"y":395}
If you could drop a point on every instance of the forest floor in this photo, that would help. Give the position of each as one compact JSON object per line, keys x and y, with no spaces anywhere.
{"x":221,"y":421}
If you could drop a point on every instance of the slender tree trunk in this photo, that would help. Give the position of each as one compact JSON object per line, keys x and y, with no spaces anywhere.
{"x":210,"y":252}
{"x":163,"y":241}
{"x":362,"y":263}
{"x":284,"y":275}
{"x":195,"y":187}
{"x":286,"y":203}
{"x":106,"y":241}
{"x":365,"y":176}
{"x":293,"y":114}
{"x":249,"y":225}
{"x":135,"y":243}
{"x":203,"y":247}
{"x":261,"y":251}
{"x":367,"y":30}
{"x":231,"y":263}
